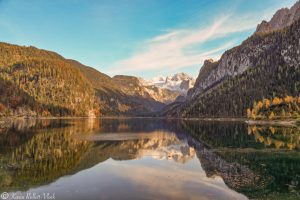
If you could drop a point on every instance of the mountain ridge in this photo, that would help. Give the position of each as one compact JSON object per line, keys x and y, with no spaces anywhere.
{"x":36,"y":78}
{"x":282,"y":18}
{"x":264,"y":65}
{"x":180,"y":82}
{"x":238,"y":59}
{"x":37,"y":82}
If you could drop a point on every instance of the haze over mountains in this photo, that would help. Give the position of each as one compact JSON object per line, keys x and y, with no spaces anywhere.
{"x":37,"y":82}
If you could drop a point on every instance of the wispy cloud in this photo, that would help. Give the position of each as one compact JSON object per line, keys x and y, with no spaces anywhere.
{"x":182,"y":48}
{"x":170,"y":50}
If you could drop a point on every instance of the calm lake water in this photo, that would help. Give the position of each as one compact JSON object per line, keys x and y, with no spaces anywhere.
{"x":148,"y":159}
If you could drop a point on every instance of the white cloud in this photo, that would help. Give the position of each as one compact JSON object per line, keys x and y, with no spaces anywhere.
{"x":180,"y":48}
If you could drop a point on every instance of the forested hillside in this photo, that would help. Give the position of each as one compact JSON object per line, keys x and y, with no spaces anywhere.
{"x":113,"y":97}
{"x":274,"y":72}
{"x":38,"y":82}
{"x":277,"y":108}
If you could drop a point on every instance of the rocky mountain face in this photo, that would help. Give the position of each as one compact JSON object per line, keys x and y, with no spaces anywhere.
{"x":156,"y":144}
{"x":235,"y":61}
{"x":135,"y":86}
{"x":281,"y":19}
{"x":265,"y":65}
{"x":205,"y":78}
{"x":180,"y":82}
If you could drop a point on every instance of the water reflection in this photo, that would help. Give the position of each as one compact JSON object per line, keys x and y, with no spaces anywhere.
{"x":271,"y":153}
{"x":38,"y":153}
{"x":278,"y":137}
{"x":149,"y":159}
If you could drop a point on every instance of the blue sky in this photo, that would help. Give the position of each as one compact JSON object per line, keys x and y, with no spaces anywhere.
{"x":145,"y":38}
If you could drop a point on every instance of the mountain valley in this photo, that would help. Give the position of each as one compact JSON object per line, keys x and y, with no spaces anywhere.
{"x":40,"y":83}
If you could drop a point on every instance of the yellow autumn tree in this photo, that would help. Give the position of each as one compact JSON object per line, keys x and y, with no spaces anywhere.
{"x":278,"y":144}
{"x":272,"y":129}
{"x":267,"y":103}
{"x":253,"y":115}
{"x":291,"y":145}
{"x":277,"y":101}
{"x":272,"y":115}
{"x":277,"y":107}
{"x":249,"y":113}
{"x":288,"y":99}
{"x":259,"y":105}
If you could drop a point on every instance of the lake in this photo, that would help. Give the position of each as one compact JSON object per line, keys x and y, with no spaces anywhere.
{"x":148,"y":159}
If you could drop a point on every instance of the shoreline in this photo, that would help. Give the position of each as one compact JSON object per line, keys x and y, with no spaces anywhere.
{"x":285,"y":122}
{"x":130,"y":117}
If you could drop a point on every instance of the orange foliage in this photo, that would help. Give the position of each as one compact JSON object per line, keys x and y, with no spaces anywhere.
{"x":2,"y":107}
{"x":249,"y":113}
{"x":46,"y":113}
{"x":259,"y":105}
{"x":277,"y":101}
{"x":267,"y":103}
{"x":288,"y":99}
{"x":272,"y":115}
{"x":272,"y":129}
{"x":253,"y":115}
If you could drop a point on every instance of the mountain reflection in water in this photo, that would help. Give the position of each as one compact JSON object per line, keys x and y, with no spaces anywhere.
{"x":148,"y":159}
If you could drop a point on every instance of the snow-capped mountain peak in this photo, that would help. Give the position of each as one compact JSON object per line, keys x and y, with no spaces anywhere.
{"x":180,"y":82}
